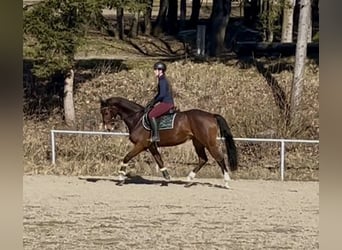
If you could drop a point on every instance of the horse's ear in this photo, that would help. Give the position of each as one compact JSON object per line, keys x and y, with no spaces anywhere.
{"x":103,"y":102}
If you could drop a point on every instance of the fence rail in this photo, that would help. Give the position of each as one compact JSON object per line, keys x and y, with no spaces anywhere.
{"x":281,"y":141}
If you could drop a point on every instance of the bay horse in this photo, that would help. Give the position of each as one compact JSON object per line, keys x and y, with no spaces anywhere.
{"x":197,"y":125}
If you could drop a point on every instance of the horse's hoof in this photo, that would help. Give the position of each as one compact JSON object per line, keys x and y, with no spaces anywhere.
{"x":164,"y":184}
{"x":120,"y":183}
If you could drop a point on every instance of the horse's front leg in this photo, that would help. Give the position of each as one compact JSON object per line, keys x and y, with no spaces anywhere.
{"x":156,"y":155}
{"x":138,"y":148}
{"x":122,"y":174}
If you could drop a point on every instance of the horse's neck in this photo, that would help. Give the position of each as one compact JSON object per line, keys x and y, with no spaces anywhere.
{"x":129,"y":119}
{"x":131,"y":116}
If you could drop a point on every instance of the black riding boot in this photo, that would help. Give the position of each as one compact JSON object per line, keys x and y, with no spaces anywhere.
{"x":155,"y":130}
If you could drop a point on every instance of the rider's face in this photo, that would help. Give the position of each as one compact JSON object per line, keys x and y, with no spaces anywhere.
{"x":158,"y":72}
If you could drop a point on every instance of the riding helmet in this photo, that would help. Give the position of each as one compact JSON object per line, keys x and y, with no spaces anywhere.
{"x":160,"y":65}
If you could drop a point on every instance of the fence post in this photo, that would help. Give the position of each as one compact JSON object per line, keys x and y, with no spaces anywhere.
{"x":282,"y":159}
{"x":200,"y":40}
{"x":53,"y":147}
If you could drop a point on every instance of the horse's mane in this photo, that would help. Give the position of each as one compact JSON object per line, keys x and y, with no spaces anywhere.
{"x":124,"y":103}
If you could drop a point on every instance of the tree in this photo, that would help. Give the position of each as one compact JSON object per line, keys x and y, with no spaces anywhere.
{"x":182,"y":14}
{"x":309,"y":25}
{"x":301,"y":50}
{"x":120,"y":26}
{"x":161,"y":18}
{"x":218,"y":25}
{"x":69,"y":114}
{"x":195,"y":11}
{"x":148,"y":17}
{"x":134,"y":31}
{"x":287,"y":26}
{"x":172,"y":17}
{"x":119,"y":6}
{"x":269,"y":17}
{"x":135,"y":7}
{"x":56,"y":27}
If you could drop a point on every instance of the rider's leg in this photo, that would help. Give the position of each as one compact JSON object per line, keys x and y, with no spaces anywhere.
{"x":156,"y":112}
{"x":154,"y":127}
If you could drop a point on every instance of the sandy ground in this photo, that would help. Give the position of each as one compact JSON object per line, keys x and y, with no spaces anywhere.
{"x":70,"y":213}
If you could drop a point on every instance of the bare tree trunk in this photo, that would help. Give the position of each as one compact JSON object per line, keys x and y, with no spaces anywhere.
{"x":172,"y":17}
{"x":298,"y":77}
{"x":120,"y":22}
{"x":310,"y":25}
{"x":133,"y":33}
{"x":182,"y":14}
{"x":261,"y":7}
{"x":218,"y":25}
{"x":270,"y":22}
{"x":287,"y":26}
{"x":161,"y":19}
{"x":195,"y":10}
{"x":69,"y":110}
{"x":147,"y":18}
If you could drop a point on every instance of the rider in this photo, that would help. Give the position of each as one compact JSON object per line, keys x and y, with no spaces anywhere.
{"x":164,"y":98}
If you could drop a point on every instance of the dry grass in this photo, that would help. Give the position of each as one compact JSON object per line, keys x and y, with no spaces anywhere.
{"x":242,"y":96}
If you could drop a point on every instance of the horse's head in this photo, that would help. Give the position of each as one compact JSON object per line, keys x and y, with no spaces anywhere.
{"x":109,"y":114}
{"x":128,"y":111}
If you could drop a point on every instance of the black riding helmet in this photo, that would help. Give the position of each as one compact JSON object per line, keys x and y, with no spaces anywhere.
{"x":160,"y":65}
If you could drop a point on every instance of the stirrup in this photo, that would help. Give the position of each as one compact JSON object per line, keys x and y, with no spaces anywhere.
{"x":155,"y":139}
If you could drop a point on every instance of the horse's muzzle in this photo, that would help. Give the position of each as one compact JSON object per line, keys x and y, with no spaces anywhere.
{"x":108,"y":128}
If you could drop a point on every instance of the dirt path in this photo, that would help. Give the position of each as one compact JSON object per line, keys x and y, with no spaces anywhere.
{"x":68,"y":213}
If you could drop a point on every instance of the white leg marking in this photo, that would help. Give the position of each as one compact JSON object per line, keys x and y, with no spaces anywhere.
{"x":123,"y":164}
{"x":191,"y":176}
{"x":122,"y":177}
{"x":122,"y":174}
{"x":226,"y":178}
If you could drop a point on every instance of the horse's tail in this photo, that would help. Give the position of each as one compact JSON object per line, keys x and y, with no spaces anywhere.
{"x":230,"y":144}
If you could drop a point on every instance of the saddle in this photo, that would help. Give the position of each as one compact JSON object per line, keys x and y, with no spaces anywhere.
{"x":164,"y":122}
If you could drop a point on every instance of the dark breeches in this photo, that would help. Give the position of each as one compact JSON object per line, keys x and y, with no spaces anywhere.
{"x":160,"y":109}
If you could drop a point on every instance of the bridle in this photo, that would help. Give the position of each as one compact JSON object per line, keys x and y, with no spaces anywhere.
{"x":123,"y":117}
{"x":113,"y":119}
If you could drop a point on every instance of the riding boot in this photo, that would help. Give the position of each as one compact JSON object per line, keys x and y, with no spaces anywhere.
{"x":155,"y":130}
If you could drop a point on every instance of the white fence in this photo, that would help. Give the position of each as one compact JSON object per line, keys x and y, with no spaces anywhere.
{"x":281,"y":141}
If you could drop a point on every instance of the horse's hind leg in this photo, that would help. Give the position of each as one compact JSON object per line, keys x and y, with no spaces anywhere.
{"x":156,"y":155}
{"x":218,"y":156}
{"x":202,"y":159}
